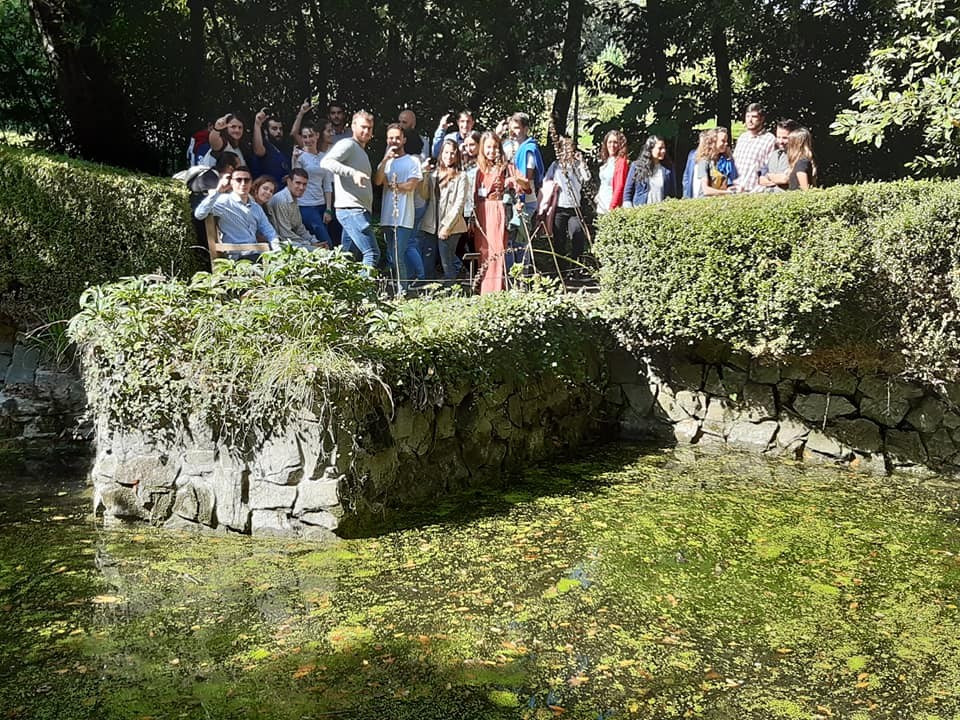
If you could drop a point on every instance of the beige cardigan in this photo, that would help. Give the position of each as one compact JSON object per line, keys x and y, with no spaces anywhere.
{"x":444,"y":214}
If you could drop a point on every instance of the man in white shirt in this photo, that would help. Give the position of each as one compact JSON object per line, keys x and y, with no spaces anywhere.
{"x":400,"y":176}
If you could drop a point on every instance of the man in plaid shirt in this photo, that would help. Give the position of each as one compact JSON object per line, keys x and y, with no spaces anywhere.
{"x":753,"y":148}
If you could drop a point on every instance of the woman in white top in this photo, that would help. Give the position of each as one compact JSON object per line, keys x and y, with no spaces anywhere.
{"x":227,"y":135}
{"x":613,"y":171}
{"x":316,"y":205}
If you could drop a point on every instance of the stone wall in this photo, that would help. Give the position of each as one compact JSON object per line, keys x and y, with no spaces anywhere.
{"x":335,"y":472}
{"x":316,"y":476}
{"x":861,"y":420}
{"x":41,"y":408}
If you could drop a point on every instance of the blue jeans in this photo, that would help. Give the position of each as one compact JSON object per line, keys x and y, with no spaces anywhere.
{"x":448,"y":256}
{"x":358,"y":232}
{"x":402,"y":247}
{"x":312,"y":216}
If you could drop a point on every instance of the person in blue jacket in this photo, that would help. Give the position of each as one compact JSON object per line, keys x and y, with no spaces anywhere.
{"x":649,"y":180}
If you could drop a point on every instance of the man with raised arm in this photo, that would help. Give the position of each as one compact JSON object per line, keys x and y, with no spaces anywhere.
{"x":271,"y":153}
{"x":464,"y":126}
{"x":753,"y":148}
{"x":240,"y":218}
{"x":284,"y":212}
{"x":353,"y":192}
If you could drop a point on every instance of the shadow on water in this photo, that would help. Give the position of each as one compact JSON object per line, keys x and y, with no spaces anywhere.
{"x":589,"y":474}
{"x":635,"y":582}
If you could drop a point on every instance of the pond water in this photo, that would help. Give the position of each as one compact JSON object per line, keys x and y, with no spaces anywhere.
{"x":635,"y":583}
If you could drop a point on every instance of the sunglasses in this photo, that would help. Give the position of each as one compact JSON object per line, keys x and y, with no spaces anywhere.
{"x":241,"y":179}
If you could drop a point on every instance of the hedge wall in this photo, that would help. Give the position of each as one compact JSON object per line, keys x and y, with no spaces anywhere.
{"x":66,"y":224}
{"x":252,"y":343}
{"x":872,"y":270}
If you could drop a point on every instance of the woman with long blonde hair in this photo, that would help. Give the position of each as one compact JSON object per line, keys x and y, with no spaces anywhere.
{"x":614,"y":167}
{"x":803,"y":168}
{"x":495,"y":178}
{"x":715,"y":172}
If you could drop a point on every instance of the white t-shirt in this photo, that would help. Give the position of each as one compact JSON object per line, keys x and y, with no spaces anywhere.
{"x":318,"y":182}
{"x":655,"y":186}
{"x":605,"y":193}
{"x":400,"y":169}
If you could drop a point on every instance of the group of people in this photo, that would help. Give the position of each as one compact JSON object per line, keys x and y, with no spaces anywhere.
{"x":761,"y":161}
{"x":458,"y":190}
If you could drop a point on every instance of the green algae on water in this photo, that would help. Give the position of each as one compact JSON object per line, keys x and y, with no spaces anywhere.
{"x":633,"y":583}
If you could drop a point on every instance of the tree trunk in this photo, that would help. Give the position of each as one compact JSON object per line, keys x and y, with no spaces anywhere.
{"x":721,"y":56}
{"x":663,"y":109}
{"x":102,"y":124}
{"x":302,"y":50}
{"x":196,"y":112}
{"x":320,"y":64}
{"x":569,"y":65}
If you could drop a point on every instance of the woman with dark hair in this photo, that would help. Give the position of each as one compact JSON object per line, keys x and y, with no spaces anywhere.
{"x":803,"y":168}
{"x":227,"y":136}
{"x":649,"y":180}
{"x":496,"y":179}
{"x":715,"y":173}
{"x":468,"y":156}
{"x":316,"y":205}
{"x":614,"y":165}
{"x":445,"y":190}
{"x":262,"y":190}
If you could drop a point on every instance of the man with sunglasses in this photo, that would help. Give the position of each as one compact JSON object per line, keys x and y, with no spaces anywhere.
{"x":240,"y":218}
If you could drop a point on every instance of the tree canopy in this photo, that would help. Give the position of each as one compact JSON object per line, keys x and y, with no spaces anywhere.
{"x":126,"y":82}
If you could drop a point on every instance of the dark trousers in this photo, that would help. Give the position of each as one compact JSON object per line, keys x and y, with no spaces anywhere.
{"x":568,"y":234}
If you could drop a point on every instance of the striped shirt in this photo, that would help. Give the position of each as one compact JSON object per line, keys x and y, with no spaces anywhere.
{"x":239,"y":221}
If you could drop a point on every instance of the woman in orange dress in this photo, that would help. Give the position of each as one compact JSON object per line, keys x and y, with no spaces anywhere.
{"x":494,"y":176}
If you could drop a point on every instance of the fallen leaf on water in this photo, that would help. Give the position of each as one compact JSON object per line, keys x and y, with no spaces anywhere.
{"x":107,"y":599}
{"x":303,"y":671}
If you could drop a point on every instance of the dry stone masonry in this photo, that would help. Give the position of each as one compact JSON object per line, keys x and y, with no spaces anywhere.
{"x":41,"y":407}
{"x":315,"y":479}
{"x":869,"y":422}
{"x":312,"y":478}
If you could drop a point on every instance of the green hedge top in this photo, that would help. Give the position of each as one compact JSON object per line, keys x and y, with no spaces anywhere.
{"x":252,"y":343}
{"x":871,"y":268}
{"x":66,"y":224}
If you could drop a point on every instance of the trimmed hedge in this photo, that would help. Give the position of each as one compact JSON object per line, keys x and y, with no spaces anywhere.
{"x":871,"y":269}
{"x":247,"y":346}
{"x":66,"y":224}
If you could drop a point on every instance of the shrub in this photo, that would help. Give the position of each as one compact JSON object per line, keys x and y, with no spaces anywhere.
{"x":870,"y":267}
{"x":427,"y":346}
{"x":239,"y":347}
{"x":66,"y":224}
{"x":247,"y":346}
